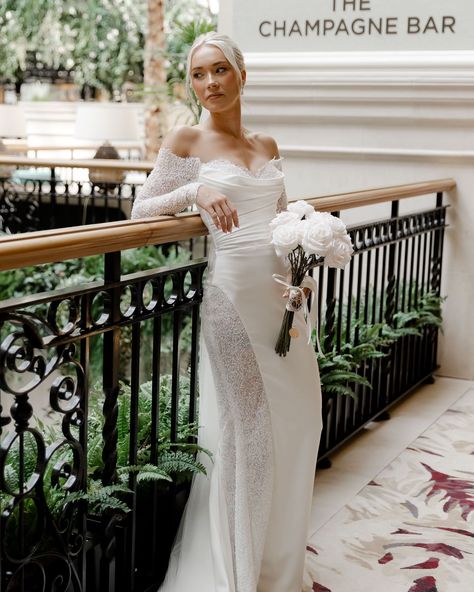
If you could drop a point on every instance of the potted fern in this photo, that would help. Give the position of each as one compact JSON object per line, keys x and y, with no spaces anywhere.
{"x":162,"y":485}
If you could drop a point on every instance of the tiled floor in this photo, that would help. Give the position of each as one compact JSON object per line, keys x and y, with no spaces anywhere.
{"x":359,"y":461}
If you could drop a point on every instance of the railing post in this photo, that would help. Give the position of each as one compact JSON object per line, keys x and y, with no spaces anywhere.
{"x":111,"y":359}
{"x":392,"y":280}
{"x":330,"y":405}
{"x":437,"y":250}
{"x":52,"y":197}
{"x":83,"y":428}
{"x":436,"y":266}
{"x":330,"y":316}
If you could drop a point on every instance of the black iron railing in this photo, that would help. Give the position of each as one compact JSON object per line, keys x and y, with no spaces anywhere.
{"x":145,"y":327}
{"x":387,"y":294}
{"x":45,"y":356}
{"x":53,"y":193}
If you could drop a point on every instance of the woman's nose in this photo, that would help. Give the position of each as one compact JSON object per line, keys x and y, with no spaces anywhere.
{"x":210,"y":80}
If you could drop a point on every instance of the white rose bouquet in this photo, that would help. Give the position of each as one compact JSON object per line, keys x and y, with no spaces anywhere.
{"x":305,"y":237}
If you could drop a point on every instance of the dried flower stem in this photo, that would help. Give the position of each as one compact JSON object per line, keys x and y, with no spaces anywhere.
{"x":300,"y":265}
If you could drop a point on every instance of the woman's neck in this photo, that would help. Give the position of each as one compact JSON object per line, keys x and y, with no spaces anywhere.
{"x":227,"y":123}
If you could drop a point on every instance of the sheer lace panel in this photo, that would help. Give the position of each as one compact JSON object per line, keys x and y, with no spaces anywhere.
{"x":170,"y":188}
{"x":282,"y":202}
{"x":246,"y":445}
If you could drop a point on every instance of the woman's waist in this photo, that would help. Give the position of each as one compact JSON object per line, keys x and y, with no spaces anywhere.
{"x":250,"y":263}
{"x":257,"y":249}
{"x":242,"y":238}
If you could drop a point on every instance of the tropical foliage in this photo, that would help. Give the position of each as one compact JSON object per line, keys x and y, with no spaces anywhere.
{"x":176,"y":461}
{"x":341,"y":368}
{"x":101,"y":41}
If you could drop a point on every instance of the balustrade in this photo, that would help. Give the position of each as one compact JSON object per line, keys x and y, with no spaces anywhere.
{"x":101,"y":376}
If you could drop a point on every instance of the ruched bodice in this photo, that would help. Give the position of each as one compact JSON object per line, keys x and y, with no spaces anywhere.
{"x":255,"y":199}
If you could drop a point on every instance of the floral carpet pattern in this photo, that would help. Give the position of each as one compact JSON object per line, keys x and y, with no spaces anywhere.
{"x":411,"y":529}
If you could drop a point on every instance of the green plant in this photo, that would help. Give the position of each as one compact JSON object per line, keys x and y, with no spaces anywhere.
{"x":339,"y":367}
{"x":178,"y":46}
{"x":187,"y":431}
{"x":176,"y":462}
{"x":426,"y":312}
{"x":100,"y":40}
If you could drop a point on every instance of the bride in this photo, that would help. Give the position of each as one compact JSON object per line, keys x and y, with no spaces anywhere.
{"x":245,"y":526}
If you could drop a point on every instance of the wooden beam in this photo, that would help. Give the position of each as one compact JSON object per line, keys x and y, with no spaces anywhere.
{"x":46,"y":246}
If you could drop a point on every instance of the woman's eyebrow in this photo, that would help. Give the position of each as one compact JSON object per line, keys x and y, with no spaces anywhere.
{"x":214,"y":64}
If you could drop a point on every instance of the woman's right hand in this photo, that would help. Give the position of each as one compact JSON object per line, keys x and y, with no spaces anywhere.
{"x":219,"y":207}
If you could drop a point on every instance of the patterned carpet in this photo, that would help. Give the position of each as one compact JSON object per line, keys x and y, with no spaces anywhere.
{"x":411,"y":529}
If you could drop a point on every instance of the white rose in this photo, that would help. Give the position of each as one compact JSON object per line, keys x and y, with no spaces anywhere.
{"x":300,"y":208}
{"x":337,"y":226}
{"x":284,"y":218}
{"x":340,"y":253}
{"x":318,"y":216}
{"x":317,"y":238}
{"x":285,"y":238}
{"x":302,"y":226}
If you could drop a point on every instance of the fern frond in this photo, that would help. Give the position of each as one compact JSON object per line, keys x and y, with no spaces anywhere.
{"x":340,"y":389}
{"x":146,"y":472}
{"x":112,"y":503}
{"x":185,"y":446}
{"x":341,"y":377}
{"x":180,"y":462}
{"x":101,"y":498}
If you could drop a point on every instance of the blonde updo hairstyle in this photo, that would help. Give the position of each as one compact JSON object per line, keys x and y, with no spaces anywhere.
{"x":228,"y":47}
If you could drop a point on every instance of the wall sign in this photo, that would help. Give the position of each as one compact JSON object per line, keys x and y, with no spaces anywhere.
{"x":344,"y":25}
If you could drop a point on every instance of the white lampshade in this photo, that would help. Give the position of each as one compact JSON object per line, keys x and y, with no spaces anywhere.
{"x":106,"y":121}
{"x":12,"y":121}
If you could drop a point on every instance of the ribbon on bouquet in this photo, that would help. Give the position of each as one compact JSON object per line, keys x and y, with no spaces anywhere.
{"x":309,"y":317}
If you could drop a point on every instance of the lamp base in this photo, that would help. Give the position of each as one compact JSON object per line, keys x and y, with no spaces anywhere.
{"x":6,"y":171}
{"x":100,"y":177}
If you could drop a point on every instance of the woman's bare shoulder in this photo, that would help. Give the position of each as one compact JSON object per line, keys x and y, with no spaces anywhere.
{"x":267,"y":143}
{"x":180,"y":139}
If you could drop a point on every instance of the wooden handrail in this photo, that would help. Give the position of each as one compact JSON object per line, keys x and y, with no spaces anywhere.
{"x":35,"y":248}
{"x":90,"y":163}
{"x":367,"y":197}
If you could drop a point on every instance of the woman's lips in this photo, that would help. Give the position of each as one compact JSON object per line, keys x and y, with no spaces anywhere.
{"x":215,"y":96}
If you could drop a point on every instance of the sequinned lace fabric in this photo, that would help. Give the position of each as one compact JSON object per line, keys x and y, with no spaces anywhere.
{"x":173,"y":184}
{"x":245,"y":450}
{"x":170,"y":187}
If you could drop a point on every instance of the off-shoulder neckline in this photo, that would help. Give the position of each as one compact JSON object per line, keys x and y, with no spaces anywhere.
{"x":226,"y":160}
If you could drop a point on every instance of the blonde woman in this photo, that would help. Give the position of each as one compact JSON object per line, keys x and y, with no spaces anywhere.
{"x":245,"y":526}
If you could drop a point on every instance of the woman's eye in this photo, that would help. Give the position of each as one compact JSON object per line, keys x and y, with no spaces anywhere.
{"x":222,"y":68}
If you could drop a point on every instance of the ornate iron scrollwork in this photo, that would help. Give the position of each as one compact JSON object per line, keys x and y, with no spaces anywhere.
{"x":40,"y":543}
{"x":18,"y":209}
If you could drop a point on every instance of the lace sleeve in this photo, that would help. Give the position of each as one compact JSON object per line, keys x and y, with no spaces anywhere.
{"x":170,"y":187}
{"x":282,"y":200}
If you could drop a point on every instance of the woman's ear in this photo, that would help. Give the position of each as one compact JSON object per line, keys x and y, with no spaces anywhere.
{"x":244,"y":77}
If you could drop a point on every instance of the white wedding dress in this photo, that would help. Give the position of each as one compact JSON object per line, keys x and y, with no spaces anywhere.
{"x":245,"y":526}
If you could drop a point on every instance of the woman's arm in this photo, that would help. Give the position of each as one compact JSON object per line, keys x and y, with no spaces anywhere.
{"x":172,"y":185}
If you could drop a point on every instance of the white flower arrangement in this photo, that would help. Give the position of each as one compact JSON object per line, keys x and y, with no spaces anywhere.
{"x":305,"y":237}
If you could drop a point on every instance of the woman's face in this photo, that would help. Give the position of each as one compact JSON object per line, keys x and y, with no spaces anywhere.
{"x":213,"y":79}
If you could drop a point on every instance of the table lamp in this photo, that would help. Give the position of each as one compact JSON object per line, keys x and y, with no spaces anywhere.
{"x":12,"y":125}
{"x":106,"y":122}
